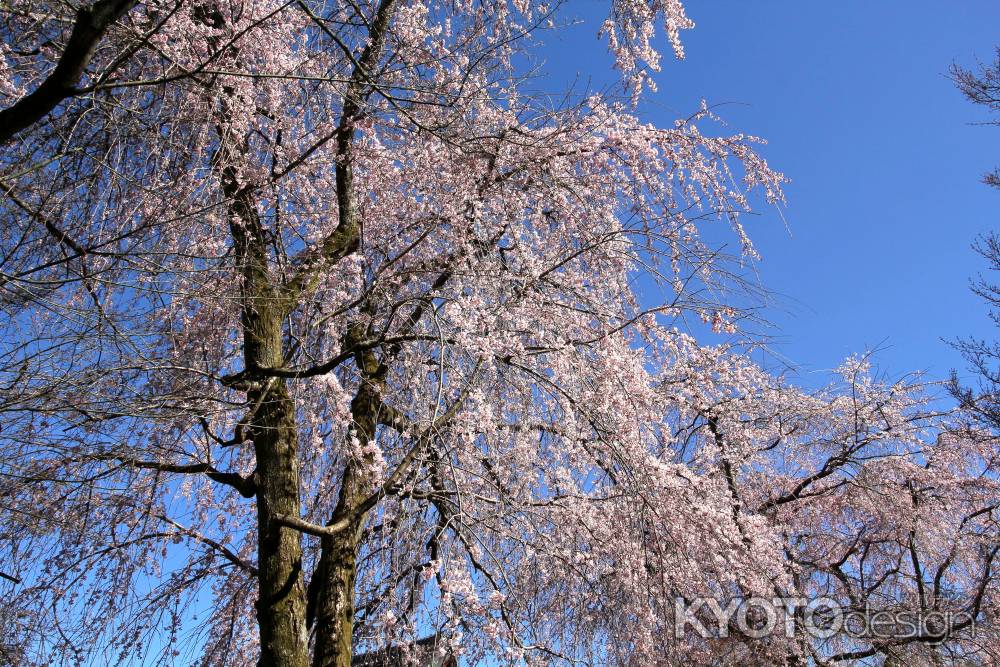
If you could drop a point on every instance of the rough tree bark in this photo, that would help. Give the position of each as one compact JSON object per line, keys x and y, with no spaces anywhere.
{"x":332,"y":587}
{"x":282,"y":614}
{"x":271,"y":426}
{"x":334,"y":579}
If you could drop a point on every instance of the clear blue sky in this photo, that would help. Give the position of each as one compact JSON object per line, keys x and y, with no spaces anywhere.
{"x":885,"y":165}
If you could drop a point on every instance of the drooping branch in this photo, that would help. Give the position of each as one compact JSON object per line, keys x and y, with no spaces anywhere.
{"x":244,"y":485}
{"x":214,"y":544}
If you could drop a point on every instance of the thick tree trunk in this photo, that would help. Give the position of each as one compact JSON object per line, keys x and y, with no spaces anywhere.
{"x":335,"y":599}
{"x":282,"y":612}
{"x":271,"y":425}
{"x":281,"y":597}
{"x":332,"y":585}
{"x":334,"y":579}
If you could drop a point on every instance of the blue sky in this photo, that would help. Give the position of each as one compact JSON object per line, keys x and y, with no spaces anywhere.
{"x":883,"y":157}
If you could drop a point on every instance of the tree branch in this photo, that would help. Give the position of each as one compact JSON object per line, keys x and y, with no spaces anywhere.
{"x":346,"y":238}
{"x":88,"y":30}
{"x":245,"y":486}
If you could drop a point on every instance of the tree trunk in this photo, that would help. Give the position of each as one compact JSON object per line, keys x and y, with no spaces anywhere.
{"x":337,"y":571}
{"x":271,"y":426}
{"x":281,"y":597}
{"x":333,"y":582}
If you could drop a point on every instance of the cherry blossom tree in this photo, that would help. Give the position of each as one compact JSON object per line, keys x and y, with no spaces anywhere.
{"x":325,"y":332}
{"x":982,"y":86}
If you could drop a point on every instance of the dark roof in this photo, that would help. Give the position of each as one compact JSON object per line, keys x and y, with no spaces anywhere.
{"x":422,"y":653}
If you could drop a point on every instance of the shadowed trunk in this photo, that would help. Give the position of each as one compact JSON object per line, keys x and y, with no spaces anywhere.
{"x":281,"y":600}
{"x":332,"y":586}
{"x":271,"y":426}
{"x":334,"y":619}
{"x":283,"y":615}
